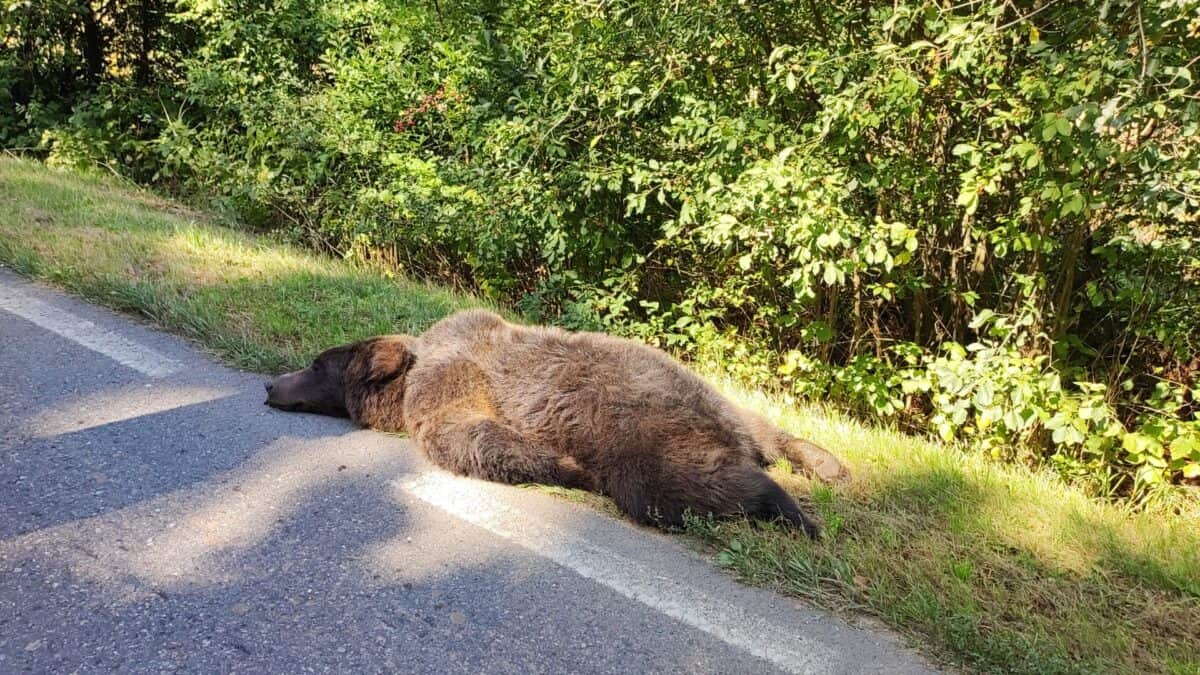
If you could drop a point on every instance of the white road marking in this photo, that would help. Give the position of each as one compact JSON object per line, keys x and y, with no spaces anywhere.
{"x":87,"y":334}
{"x":472,"y":502}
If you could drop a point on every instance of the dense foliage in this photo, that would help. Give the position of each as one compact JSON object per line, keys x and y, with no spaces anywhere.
{"x":975,"y":218}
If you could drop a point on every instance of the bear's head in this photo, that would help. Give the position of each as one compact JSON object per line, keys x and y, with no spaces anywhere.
{"x":342,"y":379}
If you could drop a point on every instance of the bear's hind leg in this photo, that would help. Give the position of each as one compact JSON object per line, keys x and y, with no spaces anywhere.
{"x":815,"y":461}
{"x":806,"y":457}
{"x":662,"y":495}
{"x":772,"y":502}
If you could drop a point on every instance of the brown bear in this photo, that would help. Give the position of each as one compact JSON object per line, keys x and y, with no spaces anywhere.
{"x":487,"y":398}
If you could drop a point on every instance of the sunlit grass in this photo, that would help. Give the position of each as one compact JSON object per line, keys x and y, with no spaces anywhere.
{"x":992,"y":566}
{"x":259,"y":304}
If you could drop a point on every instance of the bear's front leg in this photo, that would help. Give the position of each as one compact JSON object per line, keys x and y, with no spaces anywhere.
{"x":486,"y":448}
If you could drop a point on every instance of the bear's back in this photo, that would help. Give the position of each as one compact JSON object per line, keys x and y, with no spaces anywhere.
{"x":587,"y":392}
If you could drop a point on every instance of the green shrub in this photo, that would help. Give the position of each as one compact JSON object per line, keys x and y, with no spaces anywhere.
{"x":978,"y":222}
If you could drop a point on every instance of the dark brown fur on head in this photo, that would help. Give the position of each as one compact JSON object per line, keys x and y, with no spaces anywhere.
{"x":349,"y":381}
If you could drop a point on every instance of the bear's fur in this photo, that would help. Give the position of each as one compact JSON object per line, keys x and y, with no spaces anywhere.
{"x":487,"y":398}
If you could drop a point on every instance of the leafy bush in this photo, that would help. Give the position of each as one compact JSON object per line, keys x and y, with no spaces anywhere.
{"x":978,"y":221}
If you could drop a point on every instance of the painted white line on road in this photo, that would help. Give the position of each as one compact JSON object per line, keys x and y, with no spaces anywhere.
{"x":87,"y":334}
{"x":472,"y":502}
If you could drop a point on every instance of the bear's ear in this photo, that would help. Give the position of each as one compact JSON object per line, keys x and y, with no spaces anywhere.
{"x":387,"y":358}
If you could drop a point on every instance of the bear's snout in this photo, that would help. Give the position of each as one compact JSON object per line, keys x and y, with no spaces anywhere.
{"x":279,"y":395}
{"x":315,"y":389}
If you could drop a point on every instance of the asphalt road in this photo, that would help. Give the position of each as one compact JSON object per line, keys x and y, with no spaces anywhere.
{"x":156,"y":516}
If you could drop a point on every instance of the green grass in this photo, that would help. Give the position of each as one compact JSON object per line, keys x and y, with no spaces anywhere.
{"x":989,"y":566}
{"x":256,"y":303}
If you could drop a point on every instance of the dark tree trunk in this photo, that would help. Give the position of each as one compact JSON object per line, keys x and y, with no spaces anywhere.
{"x":93,"y":45}
{"x":147,"y":19}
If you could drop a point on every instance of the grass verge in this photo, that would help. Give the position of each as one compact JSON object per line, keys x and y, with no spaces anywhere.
{"x":255,"y":303}
{"x":992,"y":567}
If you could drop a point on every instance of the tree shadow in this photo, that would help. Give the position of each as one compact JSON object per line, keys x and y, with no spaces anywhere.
{"x":66,"y":476}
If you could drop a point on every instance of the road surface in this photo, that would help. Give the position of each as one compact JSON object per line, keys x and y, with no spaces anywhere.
{"x":156,"y":516}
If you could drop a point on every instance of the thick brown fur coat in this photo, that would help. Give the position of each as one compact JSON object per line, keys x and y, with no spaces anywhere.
{"x":487,"y":398}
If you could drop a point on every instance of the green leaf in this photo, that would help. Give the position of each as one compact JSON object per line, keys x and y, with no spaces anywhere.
{"x":1149,"y":475}
{"x":1073,"y":205}
{"x":968,"y":198}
